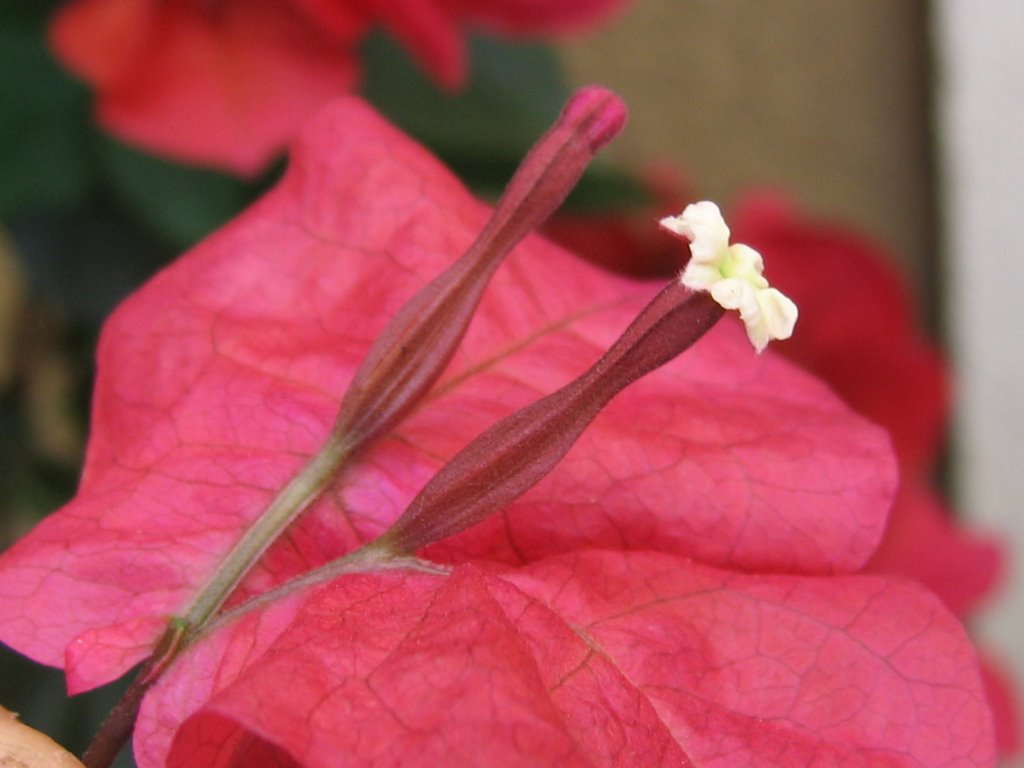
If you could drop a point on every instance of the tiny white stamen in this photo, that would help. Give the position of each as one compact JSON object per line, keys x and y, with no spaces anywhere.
{"x":733,"y":274}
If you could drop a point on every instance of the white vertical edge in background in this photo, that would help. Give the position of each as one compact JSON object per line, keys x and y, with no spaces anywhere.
{"x":980,"y":100}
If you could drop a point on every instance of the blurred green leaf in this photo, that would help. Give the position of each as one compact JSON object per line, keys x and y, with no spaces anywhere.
{"x":514,"y":93}
{"x":87,"y":259}
{"x":180,"y":203}
{"x":44,"y":123}
{"x":604,"y":189}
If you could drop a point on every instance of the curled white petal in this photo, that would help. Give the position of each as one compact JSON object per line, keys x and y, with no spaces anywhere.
{"x":746,"y":263}
{"x":779,"y":312}
{"x":702,"y":224}
{"x":700,"y":277}
{"x":732,"y":274}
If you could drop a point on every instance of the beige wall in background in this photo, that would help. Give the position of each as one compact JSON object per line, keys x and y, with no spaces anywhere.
{"x":981,"y":111}
{"x":826,"y":100}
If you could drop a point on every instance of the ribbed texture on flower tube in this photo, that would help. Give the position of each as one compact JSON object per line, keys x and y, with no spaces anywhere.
{"x":413,"y":350}
{"x":513,"y":455}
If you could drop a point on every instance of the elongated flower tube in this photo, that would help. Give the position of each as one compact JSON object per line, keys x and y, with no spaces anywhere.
{"x":517,"y":452}
{"x":420,"y":340}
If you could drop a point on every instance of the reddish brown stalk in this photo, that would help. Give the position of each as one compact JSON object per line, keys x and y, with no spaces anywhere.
{"x":118,"y":725}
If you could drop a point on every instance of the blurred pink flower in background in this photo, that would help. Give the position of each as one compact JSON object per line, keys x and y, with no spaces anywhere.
{"x":227,"y":83}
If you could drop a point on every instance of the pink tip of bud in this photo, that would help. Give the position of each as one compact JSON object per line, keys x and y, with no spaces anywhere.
{"x":600,"y":112}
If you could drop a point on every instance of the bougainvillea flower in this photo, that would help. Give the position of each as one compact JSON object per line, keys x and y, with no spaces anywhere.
{"x":223,"y":84}
{"x":872,"y":358}
{"x":591,"y":659}
{"x":228,"y":83}
{"x":674,"y":592}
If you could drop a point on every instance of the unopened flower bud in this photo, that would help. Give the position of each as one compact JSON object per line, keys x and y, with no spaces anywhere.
{"x":416,"y":346}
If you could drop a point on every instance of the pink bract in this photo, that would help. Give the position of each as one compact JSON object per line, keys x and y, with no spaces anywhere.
{"x":593,"y":659}
{"x":671,"y":594}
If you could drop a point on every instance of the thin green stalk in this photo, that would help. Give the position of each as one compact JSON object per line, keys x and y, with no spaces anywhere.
{"x":303,"y":490}
{"x":295,"y":497}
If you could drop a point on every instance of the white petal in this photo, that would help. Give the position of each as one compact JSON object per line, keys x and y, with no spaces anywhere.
{"x":703,"y":225}
{"x":735,"y":294}
{"x":674,"y":224}
{"x":779,"y":312}
{"x":757,"y":333}
{"x":747,"y":263}
{"x":700,"y":277}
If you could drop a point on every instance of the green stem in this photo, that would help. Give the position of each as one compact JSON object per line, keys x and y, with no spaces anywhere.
{"x":371,"y":557}
{"x":303,"y":489}
{"x":300,"y":492}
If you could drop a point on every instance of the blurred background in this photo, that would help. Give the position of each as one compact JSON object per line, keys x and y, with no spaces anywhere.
{"x":889,"y":130}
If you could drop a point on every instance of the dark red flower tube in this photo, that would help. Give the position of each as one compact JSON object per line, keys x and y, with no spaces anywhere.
{"x":513,"y":455}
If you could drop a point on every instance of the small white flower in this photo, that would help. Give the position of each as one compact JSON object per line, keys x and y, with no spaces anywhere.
{"x":732,"y":274}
